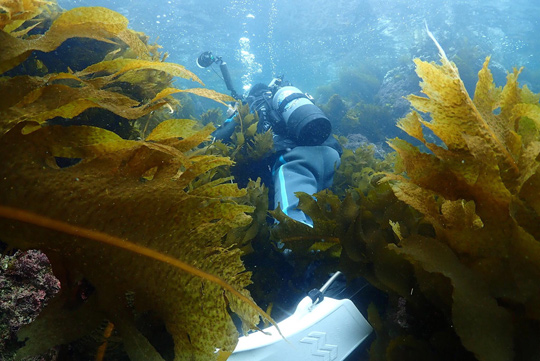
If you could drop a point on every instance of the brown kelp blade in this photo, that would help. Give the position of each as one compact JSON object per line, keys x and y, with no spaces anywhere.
{"x":88,"y":22}
{"x":45,"y":222}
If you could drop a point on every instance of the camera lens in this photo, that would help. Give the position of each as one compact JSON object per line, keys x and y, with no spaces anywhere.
{"x":305,"y":122}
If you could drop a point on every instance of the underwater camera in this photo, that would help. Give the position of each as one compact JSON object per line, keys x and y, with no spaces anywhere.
{"x":304,"y":122}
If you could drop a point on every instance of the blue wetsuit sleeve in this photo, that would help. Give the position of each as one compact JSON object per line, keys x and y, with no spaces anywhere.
{"x":225,"y":131}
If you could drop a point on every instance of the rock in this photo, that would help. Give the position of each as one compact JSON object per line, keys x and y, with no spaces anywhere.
{"x":26,"y":285}
{"x":398,"y":83}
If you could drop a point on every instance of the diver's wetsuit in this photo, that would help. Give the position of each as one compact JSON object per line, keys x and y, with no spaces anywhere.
{"x":308,"y":169}
{"x":295,"y":168}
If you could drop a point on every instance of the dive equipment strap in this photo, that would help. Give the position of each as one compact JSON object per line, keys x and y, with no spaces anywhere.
{"x":288,"y":99}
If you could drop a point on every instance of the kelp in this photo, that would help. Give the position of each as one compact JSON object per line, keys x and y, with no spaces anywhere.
{"x":85,"y":22}
{"x":14,"y":13}
{"x":388,"y":243}
{"x":96,"y":23}
{"x":352,"y":113}
{"x":335,"y":109}
{"x":106,"y":193}
{"x":360,"y":83}
{"x":127,"y":87}
{"x":246,"y":144}
{"x":325,"y":208}
{"x":40,"y":221}
{"x":154,"y":195}
{"x":214,"y":116}
{"x":470,"y":192}
{"x":120,"y":66}
{"x":452,"y":234}
{"x":358,"y":226}
{"x":68,"y":95}
{"x":360,"y":169}
{"x":373,"y":120}
{"x":203,"y":92}
{"x":101,"y":85}
{"x":256,"y":196}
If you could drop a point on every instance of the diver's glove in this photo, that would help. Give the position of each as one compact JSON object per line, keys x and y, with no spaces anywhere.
{"x":232,"y":110}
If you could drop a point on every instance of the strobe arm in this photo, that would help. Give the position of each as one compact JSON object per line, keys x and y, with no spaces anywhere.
{"x":227,"y":79}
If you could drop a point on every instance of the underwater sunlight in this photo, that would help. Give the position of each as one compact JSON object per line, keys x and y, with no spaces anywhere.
{"x":149,"y":211}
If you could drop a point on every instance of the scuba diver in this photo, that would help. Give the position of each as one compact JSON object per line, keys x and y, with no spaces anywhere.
{"x":305,"y":155}
{"x":327,"y":322}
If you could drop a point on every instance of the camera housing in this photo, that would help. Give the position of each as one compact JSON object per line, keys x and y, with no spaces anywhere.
{"x":304,"y":122}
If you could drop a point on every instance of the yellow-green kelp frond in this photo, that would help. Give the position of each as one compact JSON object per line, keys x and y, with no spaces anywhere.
{"x":65,"y":95}
{"x":480,"y":193}
{"x":246,"y":144}
{"x":14,"y":13}
{"x":156,"y":193}
{"x":139,"y":191}
{"x":360,"y":169}
{"x":450,"y":235}
{"x":128,"y":81}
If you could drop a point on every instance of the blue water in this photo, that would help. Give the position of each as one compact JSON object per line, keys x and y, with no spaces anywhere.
{"x":311,"y":41}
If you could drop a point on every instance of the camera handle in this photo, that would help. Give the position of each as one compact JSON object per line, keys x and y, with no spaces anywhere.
{"x":227,"y":78}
